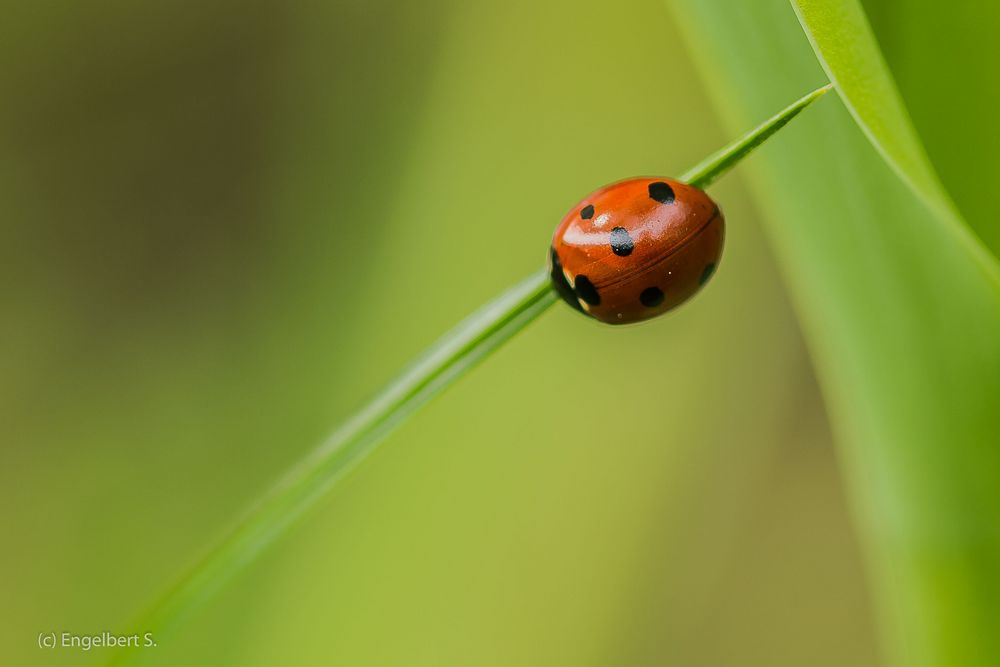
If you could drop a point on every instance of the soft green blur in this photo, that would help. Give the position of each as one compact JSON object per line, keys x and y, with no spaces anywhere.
{"x":224,"y":225}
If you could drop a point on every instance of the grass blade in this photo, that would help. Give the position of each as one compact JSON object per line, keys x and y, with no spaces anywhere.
{"x":446,"y":361}
{"x":703,"y":174}
{"x":443,"y":363}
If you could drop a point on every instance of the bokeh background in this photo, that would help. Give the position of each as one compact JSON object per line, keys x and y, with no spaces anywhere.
{"x":224,"y":225}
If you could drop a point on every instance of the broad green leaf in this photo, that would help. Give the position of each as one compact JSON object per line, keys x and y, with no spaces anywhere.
{"x":940,"y":60}
{"x":901,"y":309}
{"x":844,"y":43}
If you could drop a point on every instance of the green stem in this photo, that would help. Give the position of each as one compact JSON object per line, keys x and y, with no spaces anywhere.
{"x":446,"y":361}
{"x":705,"y":172}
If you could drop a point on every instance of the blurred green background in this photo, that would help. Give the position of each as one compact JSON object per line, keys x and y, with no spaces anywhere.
{"x":224,"y":225}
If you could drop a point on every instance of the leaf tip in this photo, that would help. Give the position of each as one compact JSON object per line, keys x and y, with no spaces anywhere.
{"x":723,"y":160}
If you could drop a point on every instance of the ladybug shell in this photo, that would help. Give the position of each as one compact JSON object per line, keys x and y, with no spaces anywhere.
{"x":635,"y":249}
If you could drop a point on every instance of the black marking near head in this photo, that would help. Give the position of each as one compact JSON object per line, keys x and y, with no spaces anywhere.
{"x":587,"y":212}
{"x":706,"y":273}
{"x":586,"y":290}
{"x":661,"y":192}
{"x":621,"y":242}
{"x":560,"y":283}
{"x":651,"y":297}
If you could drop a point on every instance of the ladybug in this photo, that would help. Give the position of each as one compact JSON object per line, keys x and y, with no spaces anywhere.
{"x":635,"y":249}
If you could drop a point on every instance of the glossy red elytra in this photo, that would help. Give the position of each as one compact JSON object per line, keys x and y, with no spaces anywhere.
{"x":635,"y":249}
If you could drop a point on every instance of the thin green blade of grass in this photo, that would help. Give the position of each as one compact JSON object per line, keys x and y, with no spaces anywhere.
{"x":457,"y":352}
{"x":449,"y":358}
{"x":708,"y":170}
{"x":900,"y":309}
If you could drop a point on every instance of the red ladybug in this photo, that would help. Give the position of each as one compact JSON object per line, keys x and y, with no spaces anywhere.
{"x":636,"y":248}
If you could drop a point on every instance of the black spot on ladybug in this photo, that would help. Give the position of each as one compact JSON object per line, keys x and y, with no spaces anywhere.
{"x":661,"y":192}
{"x":586,"y":290}
{"x":706,"y":273}
{"x":559,"y":281}
{"x":621,"y":242}
{"x":651,"y":297}
{"x":587,"y":212}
